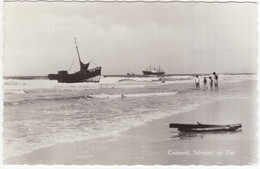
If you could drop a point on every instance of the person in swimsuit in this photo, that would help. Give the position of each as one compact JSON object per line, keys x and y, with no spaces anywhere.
{"x":122,"y":96}
{"x":205,"y":83}
{"x":211,"y":82}
{"x":215,"y":80}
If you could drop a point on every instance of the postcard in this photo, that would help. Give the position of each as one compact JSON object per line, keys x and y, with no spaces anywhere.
{"x":165,"y":83}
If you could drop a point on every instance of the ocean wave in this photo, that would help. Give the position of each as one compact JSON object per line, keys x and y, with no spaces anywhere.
{"x":46,"y":98}
{"x":86,"y":96}
{"x":41,"y":85}
{"x":15,"y":92}
{"x":127,"y":80}
{"x":115,"y":96}
{"x":67,"y":131}
{"x":152,"y":79}
{"x":72,"y":121}
{"x":13,"y":83}
{"x":178,"y":79}
{"x":25,"y":77}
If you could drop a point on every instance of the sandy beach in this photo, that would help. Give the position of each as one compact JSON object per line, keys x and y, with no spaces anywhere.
{"x":155,"y":143}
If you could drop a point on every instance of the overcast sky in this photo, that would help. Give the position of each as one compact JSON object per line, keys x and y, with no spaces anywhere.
{"x":180,"y":37}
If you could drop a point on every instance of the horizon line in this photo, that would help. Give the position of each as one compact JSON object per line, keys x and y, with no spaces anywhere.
{"x":133,"y":75}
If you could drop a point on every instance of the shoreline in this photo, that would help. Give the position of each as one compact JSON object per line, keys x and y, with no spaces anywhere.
{"x":152,"y":143}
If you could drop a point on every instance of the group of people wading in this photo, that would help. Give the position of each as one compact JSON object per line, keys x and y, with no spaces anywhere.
{"x":213,"y":82}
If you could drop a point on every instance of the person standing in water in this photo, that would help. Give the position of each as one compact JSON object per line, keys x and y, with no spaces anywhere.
{"x":197,"y":82}
{"x":205,"y":83}
{"x":215,"y":80}
{"x":162,"y":79}
{"x":211,"y":82}
{"x":122,"y":96}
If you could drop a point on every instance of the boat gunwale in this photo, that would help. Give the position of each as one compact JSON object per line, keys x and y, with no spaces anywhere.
{"x":204,"y":127}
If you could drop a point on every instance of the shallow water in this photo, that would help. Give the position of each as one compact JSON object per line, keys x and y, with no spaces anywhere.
{"x":40,"y":113}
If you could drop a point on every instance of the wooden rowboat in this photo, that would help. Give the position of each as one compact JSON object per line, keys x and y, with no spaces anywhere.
{"x":204,"y":127}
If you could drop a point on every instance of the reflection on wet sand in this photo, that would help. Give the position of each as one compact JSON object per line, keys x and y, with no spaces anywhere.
{"x":190,"y":135}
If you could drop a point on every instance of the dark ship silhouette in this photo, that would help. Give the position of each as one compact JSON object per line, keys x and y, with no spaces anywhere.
{"x":153,"y":71}
{"x":83,"y":75}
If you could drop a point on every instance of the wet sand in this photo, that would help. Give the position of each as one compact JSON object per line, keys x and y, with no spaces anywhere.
{"x":156,"y":144}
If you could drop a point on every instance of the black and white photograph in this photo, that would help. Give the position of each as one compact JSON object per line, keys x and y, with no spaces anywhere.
{"x":129,"y":83}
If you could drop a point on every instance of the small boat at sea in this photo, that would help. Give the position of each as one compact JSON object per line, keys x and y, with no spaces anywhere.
{"x":204,"y":127}
{"x":83,"y":75}
{"x":153,"y":71}
{"x":129,"y":73}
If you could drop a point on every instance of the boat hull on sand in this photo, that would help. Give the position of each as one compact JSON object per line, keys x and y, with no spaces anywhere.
{"x":204,"y":127}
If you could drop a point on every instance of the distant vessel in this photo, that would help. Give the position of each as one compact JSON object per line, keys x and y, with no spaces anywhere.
{"x":153,"y":71}
{"x":83,"y":75}
{"x":130,"y":73}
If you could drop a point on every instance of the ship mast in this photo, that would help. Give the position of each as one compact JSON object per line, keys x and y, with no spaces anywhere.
{"x":77,"y":49}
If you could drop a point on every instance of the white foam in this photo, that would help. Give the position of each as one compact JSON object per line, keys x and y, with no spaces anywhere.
{"x":14,"y":92}
{"x":115,"y":96}
{"x":111,"y":82}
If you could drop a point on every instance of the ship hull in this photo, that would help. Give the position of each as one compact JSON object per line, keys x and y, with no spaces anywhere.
{"x":81,"y":76}
{"x":204,"y":127}
{"x":152,"y":73}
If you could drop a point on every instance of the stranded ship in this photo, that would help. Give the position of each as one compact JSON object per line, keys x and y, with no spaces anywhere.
{"x":83,"y":75}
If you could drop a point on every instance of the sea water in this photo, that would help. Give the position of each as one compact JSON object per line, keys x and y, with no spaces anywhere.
{"x":40,"y":113}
